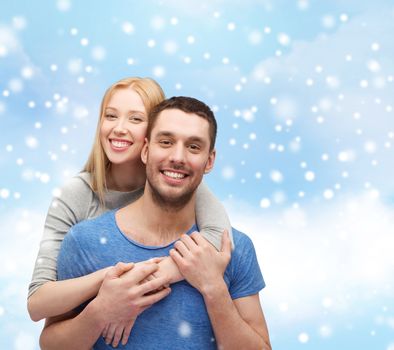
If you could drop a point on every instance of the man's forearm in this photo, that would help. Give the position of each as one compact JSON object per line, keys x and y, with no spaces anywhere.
{"x":231,"y":330}
{"x":80,"y":332}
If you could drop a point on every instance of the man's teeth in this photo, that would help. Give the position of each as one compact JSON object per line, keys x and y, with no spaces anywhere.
{"x":120,"y":143}
{"x":174,"y":175}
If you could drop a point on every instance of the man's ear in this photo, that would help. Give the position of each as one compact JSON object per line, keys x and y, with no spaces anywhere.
{"x":144,"y":152}
{"x":210,"y":162}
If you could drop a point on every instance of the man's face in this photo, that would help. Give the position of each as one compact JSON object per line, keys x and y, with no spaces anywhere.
{"x":177,"y":156}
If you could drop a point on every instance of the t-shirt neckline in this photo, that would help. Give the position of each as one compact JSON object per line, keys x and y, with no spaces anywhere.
{"x":138,"y":244}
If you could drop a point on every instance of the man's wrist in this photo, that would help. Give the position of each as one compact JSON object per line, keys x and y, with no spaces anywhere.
{"x":93,"y":313}
{"x":213,"y":291}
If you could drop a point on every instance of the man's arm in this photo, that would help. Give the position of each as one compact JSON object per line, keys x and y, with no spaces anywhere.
{"x":72,"y":330}
{"x":237,"y":324}
{"x":122,"y":297}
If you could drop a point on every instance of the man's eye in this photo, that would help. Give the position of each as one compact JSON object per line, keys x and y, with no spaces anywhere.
{"x":165,"y":143}
{"x":194,"y":147}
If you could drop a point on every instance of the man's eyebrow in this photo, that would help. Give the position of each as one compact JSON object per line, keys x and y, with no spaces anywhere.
{"x":171,"y":134}
{"x":196,"y":139}
{"x":164,"y":133}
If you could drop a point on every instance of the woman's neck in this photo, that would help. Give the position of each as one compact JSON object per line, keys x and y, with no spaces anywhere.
{"x":126,"y":177}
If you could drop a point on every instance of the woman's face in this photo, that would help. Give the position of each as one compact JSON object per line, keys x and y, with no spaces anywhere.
{"x":123,"y":127}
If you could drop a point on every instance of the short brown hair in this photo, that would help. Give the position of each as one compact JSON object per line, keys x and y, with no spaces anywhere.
{"x":188,"y":105}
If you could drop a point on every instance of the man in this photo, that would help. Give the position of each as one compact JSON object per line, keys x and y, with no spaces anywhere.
{"x":217,"y":306}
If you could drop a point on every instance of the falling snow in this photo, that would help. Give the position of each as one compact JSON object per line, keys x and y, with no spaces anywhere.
{"x":185,"y":329}
{"x":303,"y":95}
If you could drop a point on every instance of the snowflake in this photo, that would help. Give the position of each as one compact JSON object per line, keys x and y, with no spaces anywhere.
{"x":185,"y":329}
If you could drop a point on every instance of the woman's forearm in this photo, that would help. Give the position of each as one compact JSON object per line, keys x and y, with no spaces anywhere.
{"x":168,"y":268}
{"x":58,"y":297}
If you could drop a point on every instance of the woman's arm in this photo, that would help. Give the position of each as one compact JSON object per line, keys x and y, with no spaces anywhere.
{"x":46,"y":296}
{"x":211,"y":217}
{"x":58,"y":297}
{"x":122,"y":297}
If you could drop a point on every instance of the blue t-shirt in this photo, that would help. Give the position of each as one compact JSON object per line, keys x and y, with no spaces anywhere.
{"x":179,"y":321}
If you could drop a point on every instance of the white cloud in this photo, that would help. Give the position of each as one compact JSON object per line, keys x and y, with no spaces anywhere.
{"x":8,"y":39}
{"x":12,"y":48}
{"x":341,"y":76}
{"x":20,"y":236}
{"x":63,"y":5}
{"x":314,"y":258}
{"x":326,"y":113}
{"x":198,"y":7}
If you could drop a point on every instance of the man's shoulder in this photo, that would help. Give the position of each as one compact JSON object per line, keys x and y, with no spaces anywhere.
{"x":243,"y":247}
{"x":243,"y":274}
{"x":241,"y":239}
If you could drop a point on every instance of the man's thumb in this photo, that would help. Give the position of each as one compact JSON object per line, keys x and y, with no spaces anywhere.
{"x":226,"y":242}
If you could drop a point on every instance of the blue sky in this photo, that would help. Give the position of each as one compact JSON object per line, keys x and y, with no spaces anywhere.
{"x":303,"y":94}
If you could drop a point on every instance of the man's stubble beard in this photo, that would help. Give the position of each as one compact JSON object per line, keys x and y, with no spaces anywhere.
{"x":169,"y":203}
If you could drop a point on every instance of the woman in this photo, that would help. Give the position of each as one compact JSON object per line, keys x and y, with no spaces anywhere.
{"x":112,"y":177}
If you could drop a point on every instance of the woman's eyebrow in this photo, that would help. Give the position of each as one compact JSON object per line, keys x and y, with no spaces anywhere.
{"x":130,"y":111}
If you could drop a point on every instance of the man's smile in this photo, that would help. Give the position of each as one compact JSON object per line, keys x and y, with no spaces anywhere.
{"x":173,"y":174}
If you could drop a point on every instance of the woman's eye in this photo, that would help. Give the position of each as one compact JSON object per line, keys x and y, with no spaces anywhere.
{"x":110,"y":116}
{"x":136,"y":119}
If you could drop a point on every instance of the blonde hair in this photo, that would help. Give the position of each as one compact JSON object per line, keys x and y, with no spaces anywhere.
{"x":98,"y":163}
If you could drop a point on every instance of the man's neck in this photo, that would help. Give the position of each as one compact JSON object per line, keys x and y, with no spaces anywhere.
{"x":151,"y":224}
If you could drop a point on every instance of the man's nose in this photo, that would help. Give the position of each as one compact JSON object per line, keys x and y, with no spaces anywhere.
{"x":178,"y":154}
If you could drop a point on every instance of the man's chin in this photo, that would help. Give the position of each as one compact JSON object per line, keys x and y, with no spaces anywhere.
{"x":174,"y":198}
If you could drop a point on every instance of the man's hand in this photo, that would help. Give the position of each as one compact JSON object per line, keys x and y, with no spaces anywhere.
{"x":199,"y":262}
{"x":124,"y":294}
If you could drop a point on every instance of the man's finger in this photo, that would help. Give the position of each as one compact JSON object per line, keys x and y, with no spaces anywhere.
{"x":189,"y":242}
{"x":198,"y":238}
{"x":181,"y":247}
{"x":110,"y":334}
{"x":152,"y":285}
{"x":105,"y":331}
{"x":119,"y":269}
{"x":117,"y":336}
{"x":176,"y":256}
{"x":140,"y":272}
{"x":127,"y":331}
{"x":226,"y":243}
{"x":154,"y":298}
